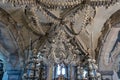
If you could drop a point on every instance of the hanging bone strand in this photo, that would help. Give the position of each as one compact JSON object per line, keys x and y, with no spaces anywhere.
{"x":100,"y":3}
{"x":72,"y":3}
{"x":20,"y":2}
{"x":50,"y":3}
{"x":35,"y":69}
{"x":61,"y":3}
{"x":33,"y":20}
{"x":32,"y":69}
{"x":51,"y":17}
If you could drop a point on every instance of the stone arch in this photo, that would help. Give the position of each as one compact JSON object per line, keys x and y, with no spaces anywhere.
{"x":8,"y":44}
{"x":110,"y":34}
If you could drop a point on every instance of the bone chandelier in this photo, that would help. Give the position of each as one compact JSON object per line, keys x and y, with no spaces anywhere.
{"x":62,"y":46}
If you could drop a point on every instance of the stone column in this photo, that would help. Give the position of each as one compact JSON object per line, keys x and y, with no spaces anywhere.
{"x":13,"y":68}
{"x":50,"y":73}
{"x":72,"y":71}
{"x":14,"y":74}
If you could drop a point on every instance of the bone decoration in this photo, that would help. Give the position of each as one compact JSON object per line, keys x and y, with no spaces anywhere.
{"x":54,"y":4}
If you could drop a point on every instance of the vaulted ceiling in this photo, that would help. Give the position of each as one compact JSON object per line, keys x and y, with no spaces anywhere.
{"x":19,"y":29}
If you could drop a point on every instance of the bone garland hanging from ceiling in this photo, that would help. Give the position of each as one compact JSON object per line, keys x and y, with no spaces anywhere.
{"x":67,"y":9}
{"x":55,"y":4}
{"x":60,"y":47}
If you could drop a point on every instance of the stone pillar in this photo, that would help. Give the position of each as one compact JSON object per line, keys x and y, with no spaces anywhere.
{"x":69,"y":72}
{"x":73,"y":72}
{"x":50,"y":73}
{"x":13,"y":68}
{"x":14,"y":74}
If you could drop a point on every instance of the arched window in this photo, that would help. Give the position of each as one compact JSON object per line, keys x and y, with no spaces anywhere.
{"x":61,"y":70}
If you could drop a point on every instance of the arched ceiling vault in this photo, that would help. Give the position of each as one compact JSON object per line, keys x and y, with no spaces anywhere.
{"x":113,"y":21}
{"x":19,"y":31}
{"x":97,"y":25}
{"x":108,"y":43}
{"x":16,"y":34}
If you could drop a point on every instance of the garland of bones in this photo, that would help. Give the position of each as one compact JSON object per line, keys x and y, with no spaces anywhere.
{"x":71,"y":9}
{"x":45,"y":5}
